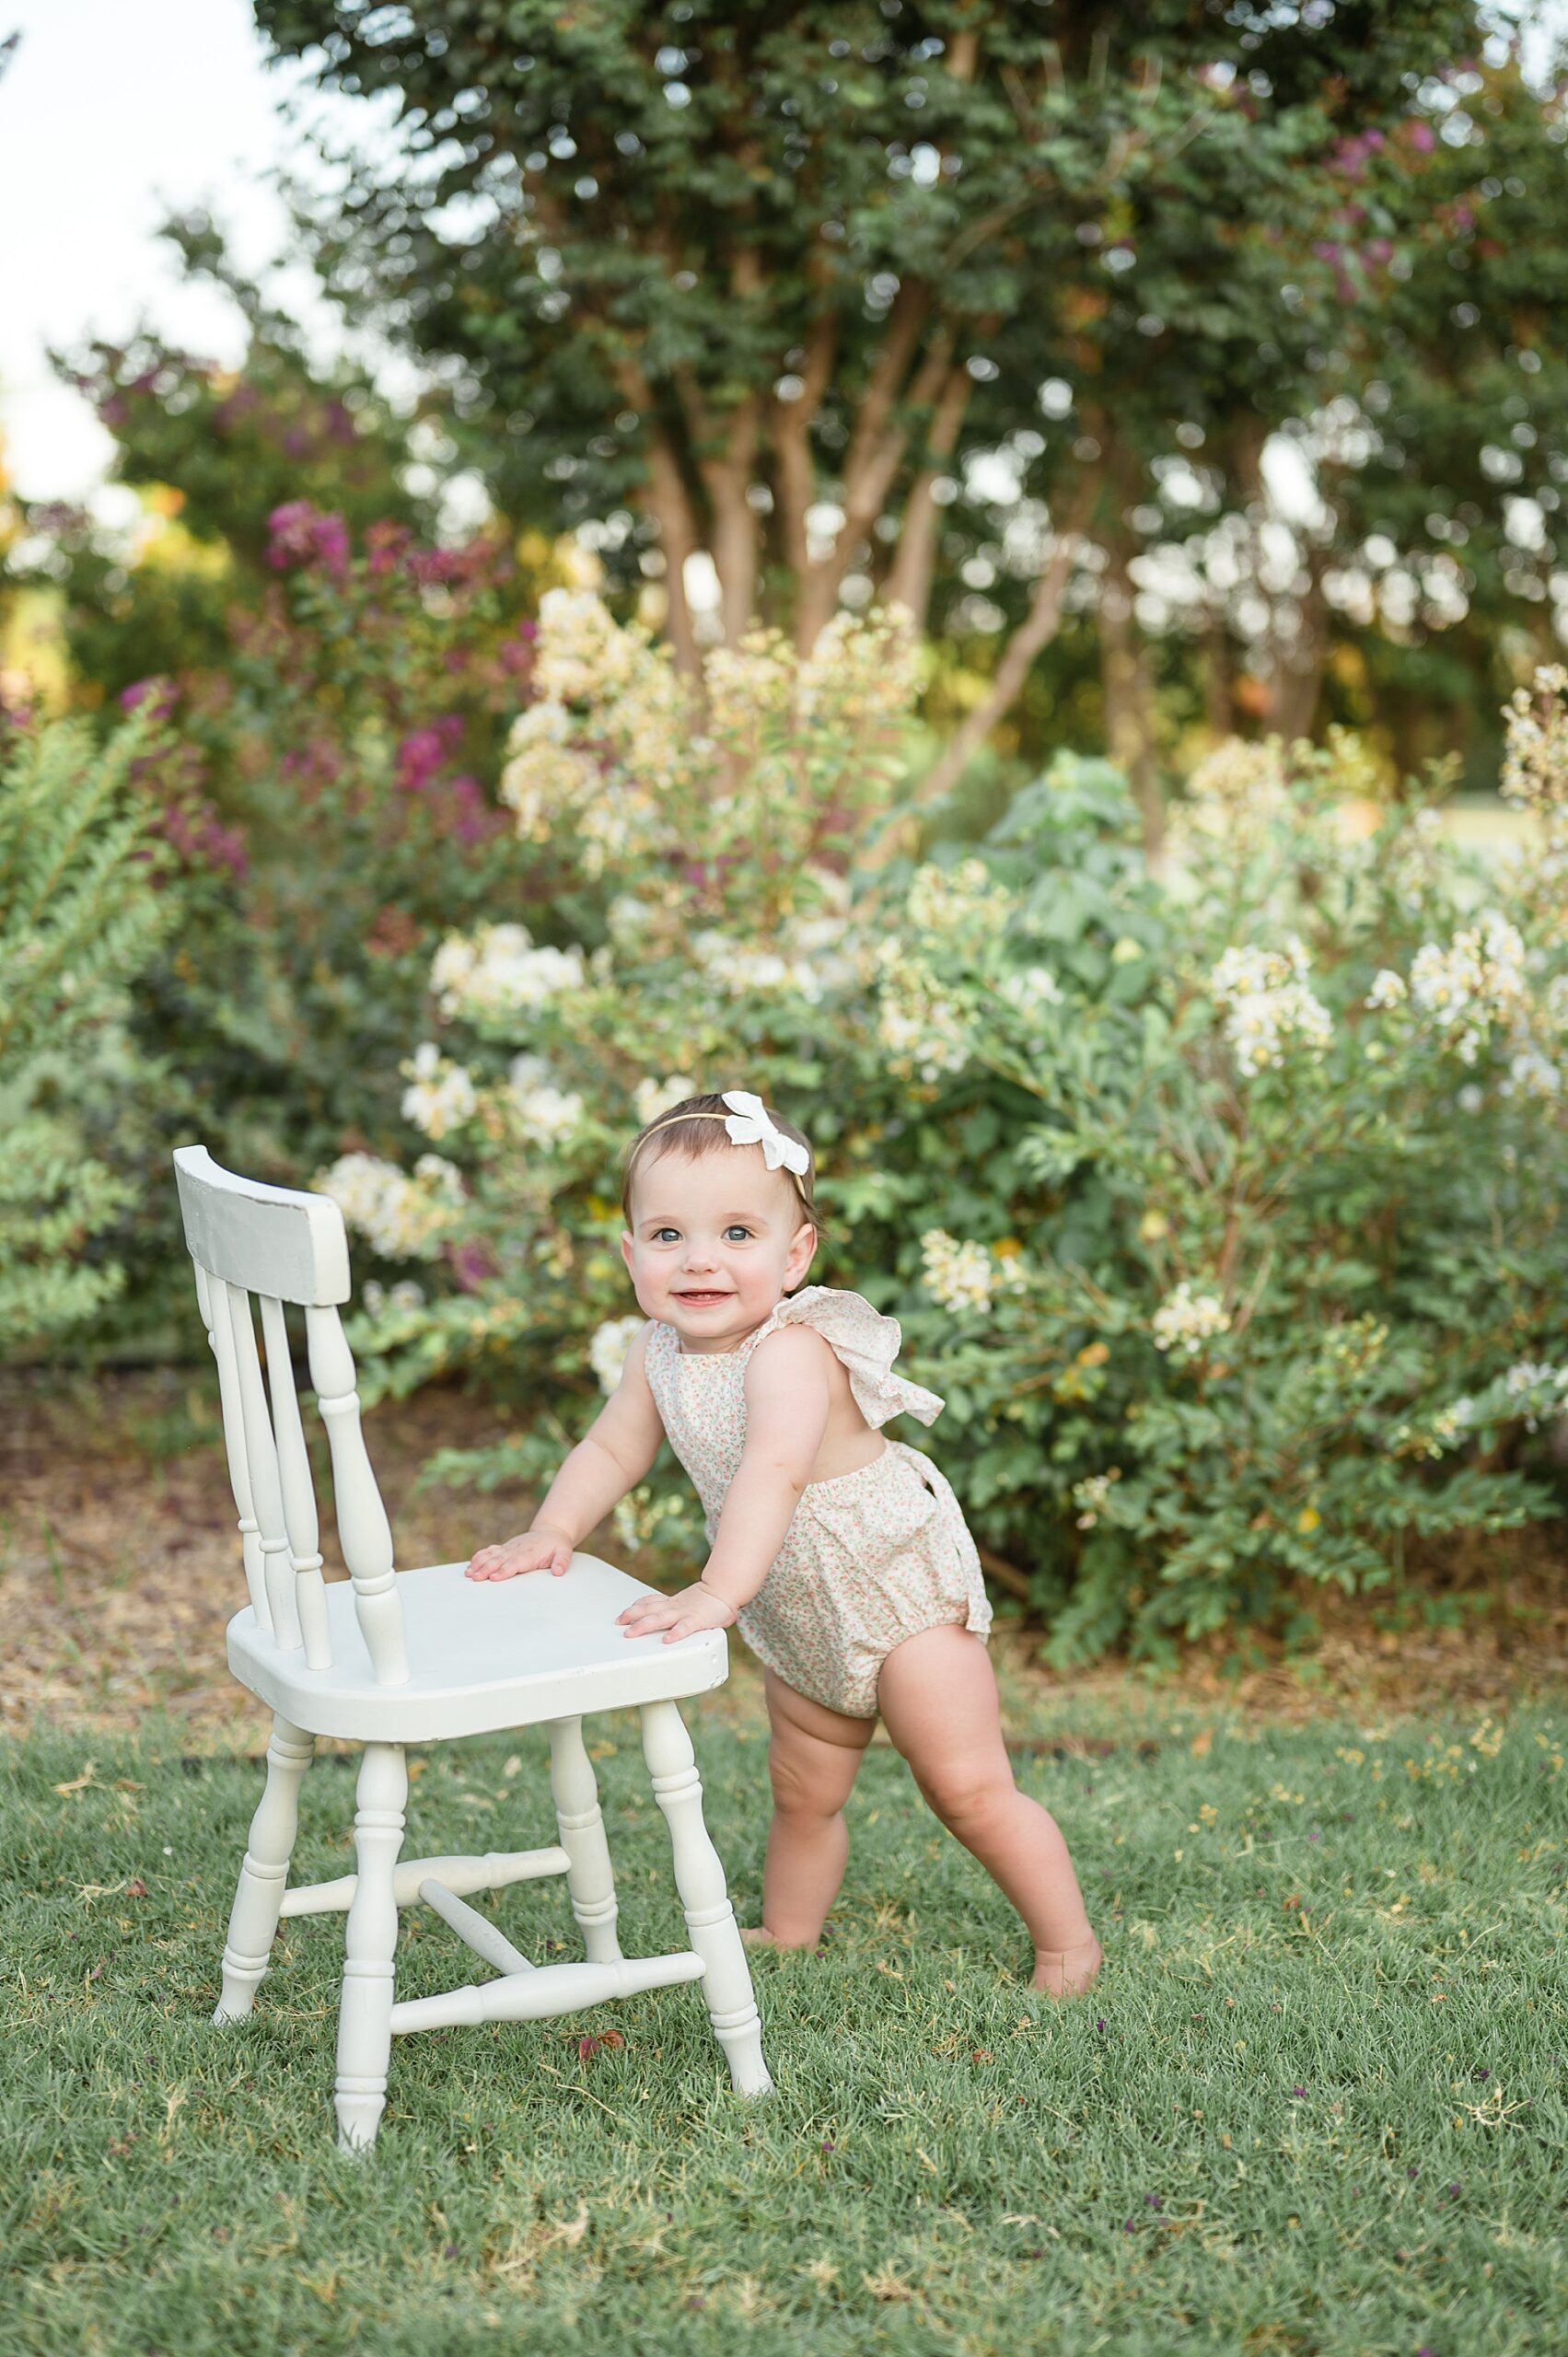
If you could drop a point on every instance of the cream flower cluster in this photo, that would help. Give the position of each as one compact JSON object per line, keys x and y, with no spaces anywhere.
{"x":960,"y":901}
{"x":547,"y":1112}
{"x":1535,"y":766}
{"x":1090,"y":1495}
{"x":1185,"y":1321}
{"x":642,"y":1519}
{"x":864,"y":669}
{"x":607,"y":1351}
{"x":652,"y":1097}
{"x":924,"y":1033}
{"x":1477,"y":980}
{"x":497,"y":971}
{"x":1387,"y":990}
{"x":1268,"y":1003}
{"x":966,"y":1276}
{"x":440,"y":1096}
{"x":402,"y":1217}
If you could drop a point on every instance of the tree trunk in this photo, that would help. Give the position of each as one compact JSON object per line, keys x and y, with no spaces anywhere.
{"x":1129,"y":697}
{"x":1036,"y":630}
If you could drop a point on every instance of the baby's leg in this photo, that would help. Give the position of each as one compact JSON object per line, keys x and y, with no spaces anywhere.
{"x":812,"y":1761}
{"x":939,"y":1701}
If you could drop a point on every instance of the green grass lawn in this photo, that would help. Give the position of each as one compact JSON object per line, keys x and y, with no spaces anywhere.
{"x":1316,"y":2103}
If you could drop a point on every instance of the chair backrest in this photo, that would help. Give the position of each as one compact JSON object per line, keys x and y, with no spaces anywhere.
{"x":250,"y":1240}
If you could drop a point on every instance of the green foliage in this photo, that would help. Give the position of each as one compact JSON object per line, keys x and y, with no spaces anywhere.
{"x":1221,"y":1204}
{"x":82,"y":912}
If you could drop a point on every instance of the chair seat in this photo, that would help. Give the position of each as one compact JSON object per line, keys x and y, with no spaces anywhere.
{"x":482,"y":1654}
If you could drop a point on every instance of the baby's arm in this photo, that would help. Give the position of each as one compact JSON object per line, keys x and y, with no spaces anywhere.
{"x":612,"y":1456}
{"x":786,"y":1414}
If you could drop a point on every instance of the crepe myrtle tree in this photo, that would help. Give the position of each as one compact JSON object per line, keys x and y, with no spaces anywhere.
{"x":766,"y":280}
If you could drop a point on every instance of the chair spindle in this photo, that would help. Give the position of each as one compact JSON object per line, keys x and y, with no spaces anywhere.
{"x":362,"y":1529}
{"x":213,"y":1294}
{"x":266,"y":1490}
{"x":298,"y":1489}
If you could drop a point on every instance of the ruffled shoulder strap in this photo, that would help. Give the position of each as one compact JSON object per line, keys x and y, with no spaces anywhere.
{"x":867,"y":1342}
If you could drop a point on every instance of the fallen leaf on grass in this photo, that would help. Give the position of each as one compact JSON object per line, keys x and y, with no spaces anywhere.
{"x":885,"y":2286}
{"x":79,"y":1784}
{"x":588,"y":2046}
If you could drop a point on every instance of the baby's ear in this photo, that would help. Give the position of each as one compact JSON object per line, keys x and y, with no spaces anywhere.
{"x":801,"y":1250}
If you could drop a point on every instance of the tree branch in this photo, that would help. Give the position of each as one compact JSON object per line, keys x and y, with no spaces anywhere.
{"x":1038,"y":627}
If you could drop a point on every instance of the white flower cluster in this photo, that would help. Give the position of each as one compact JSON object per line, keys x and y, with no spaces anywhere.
{"x":1535,"y":1389}
{"x":547,"y":1112}
{"x":1185,"y":1321}
{"x":1535,"y":767}
{"x":1387,"y":990}
{"x":1418,"y":858}
{"x":1090,"y":1495}
{"x":374,"y":1298}
{"x":967,"y":1276}
{"x":1477,"y":980}
{"x":497,"y":971}
{"x":402,"y":1217}
{"x":441,"y":1096}
{"x":958,"y":900}
{"x":1269,"y":1004}
{"x":607,"y":1351}
{"x":924,"y":1033}
{"x":804,"y":958}
{"x":1030,"y":989}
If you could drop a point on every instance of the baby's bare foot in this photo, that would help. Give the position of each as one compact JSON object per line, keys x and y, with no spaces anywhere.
{"x":1068,"y":1972}
{"x":757,"y":1936}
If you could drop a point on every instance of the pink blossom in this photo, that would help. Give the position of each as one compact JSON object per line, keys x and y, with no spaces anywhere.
{"x":303,"y":534}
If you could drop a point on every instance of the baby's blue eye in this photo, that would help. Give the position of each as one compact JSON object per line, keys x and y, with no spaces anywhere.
{"x":660,"y":1233}
{"x":735,"y":1229}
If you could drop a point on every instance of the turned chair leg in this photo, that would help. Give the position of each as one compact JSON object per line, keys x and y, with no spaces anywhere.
{"x":699,"y":1878}
{"x":258,"y":1899}
{"x":365,"y":2020}
{"x":589,"y":1876}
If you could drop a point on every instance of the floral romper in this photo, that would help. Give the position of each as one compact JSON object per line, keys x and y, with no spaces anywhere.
{"x":872,"y":1556}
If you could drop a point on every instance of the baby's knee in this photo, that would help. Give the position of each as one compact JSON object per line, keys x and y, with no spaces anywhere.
{"x":966,"y":1799}
{"x":798,"y":1792}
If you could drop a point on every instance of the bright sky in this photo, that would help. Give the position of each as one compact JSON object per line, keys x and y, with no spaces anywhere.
{"x":114,"y":112}
{"x":112,"y":116}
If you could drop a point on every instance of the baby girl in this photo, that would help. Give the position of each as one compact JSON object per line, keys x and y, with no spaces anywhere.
{"x":842,"y":1556}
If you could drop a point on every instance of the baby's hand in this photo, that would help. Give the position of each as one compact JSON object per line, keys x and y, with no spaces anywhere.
{"x":678,"y":1616}
{"x":539,"y":1549}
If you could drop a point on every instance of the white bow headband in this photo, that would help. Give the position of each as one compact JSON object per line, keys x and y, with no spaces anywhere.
{"x":751,"y":1124}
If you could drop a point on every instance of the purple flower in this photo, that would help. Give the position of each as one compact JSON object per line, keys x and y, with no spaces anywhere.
{"x":1153,"y":2201}
{"x":1298,"y":2091}
{"x":302,"y":534}
{"x":159,"y":694}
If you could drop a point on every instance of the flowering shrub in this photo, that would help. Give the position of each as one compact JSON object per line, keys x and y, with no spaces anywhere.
{"x":1221,"y":1205}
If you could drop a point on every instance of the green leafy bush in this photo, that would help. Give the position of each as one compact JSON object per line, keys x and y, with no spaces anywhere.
{"x":82,"y":911}
{"x":1222,"y":1204}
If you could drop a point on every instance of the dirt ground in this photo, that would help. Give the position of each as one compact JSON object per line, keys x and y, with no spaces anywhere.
{"x":120,"y":1566}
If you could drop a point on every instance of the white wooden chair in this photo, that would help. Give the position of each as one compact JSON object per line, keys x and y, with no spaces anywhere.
{"x":388,"y":1658}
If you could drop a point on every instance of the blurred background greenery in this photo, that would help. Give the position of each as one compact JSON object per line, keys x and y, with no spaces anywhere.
{"x":1192,"y":385}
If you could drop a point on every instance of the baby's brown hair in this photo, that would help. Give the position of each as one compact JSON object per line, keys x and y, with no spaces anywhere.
{"x":696,"y":1126}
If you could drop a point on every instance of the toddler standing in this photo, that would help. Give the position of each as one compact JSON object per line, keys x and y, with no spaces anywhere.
{"x":843,"y":1557}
